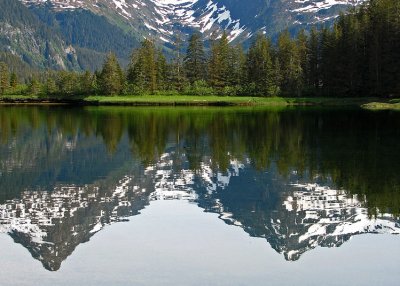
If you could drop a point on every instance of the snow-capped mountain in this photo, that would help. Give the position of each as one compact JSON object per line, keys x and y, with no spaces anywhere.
{"x":163,"y":19}
{"x":77,"y":34}
{"x":160,"y":19}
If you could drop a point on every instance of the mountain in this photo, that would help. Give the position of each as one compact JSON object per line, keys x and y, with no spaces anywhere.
{"x":163,"y":19}
{"x":47,"y":39}
{"x":70,"y":34}
{"x":23,"y":34}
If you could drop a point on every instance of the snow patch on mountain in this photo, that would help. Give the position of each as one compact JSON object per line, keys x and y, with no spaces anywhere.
{"x":317,"y":9}
{"x":188,"y":13}
{"x":161,"y":18}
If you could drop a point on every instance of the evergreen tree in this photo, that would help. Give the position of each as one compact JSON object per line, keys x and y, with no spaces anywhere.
{"x":302,"y":52}
{"x":112,"y":78}
{"x":290,"y":65}
{"x":384,"y":46}
{"x":328,"y":61}
{"x":86,"y":83}
{"x":34,"y":87}
{"x":177,"y":78}
{"x":67,"y":83}
{"x":142,"y":71}
{"x":195,"y":59}
{"x":236,"y":66}
{"x":162,"y":70}
{"x":312,"y":78}
{"x":219,"y":63}
{"x":50,"y":86}
{"x":4,"y":80}
{"x":13,"y":81}
{"x":260,"y":69}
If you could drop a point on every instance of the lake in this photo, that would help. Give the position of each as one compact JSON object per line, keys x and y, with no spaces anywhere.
{"x":199,"y":196}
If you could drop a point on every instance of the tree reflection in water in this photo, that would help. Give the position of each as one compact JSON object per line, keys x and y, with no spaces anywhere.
{"x":298,"y":178}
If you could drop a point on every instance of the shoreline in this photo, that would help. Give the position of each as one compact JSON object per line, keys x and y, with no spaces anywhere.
{"x":219,"y":101}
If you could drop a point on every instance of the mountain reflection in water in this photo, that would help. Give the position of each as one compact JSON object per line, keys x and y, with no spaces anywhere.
{"x":293,"y":177}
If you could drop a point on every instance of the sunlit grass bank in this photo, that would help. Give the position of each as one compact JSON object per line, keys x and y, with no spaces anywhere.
{"x":183,"y":100}
{"x":220,"y":100}
{"x":392,"y":105}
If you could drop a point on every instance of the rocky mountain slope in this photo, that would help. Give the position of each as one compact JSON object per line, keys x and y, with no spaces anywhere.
{"x":163,"y":19}
{"x":76,"y":34}
{"x":23,"y":34}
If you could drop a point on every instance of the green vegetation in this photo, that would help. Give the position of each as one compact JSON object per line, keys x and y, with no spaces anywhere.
{"x":4,"y":81}
{"x":224,"y":100}
{"x":187,"y":100}
{"x":358,"y":57}
{"x":381,"y":106}
{"x":40,"y":45}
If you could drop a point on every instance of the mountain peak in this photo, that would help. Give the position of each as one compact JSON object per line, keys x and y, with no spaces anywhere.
{"x":95,"y":27}
{"x":163,"y":19}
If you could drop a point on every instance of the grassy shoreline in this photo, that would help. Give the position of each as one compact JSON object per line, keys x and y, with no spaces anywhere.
{"x":182,"y":100}
{"x":376,"y":106}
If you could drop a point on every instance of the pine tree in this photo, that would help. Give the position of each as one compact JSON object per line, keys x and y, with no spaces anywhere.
{"x":4,"y":81}
{"x":302,"y":52}
{"x":219,"y":63}
{"x":142,"y":71}
{"x":327,"y":69}
{"x":290,"y":64}
{"x":86,"y":83}
{"x":312,"y":77}
{"x":34,"y":86}
{"x":260,"y":69}
{"x":177,"y":78}
{"x":162,"y":70}
{"x":67,"y":83}
{"x":195,"y":59}
{"x":111,"y":77}
{"x":236,"y":66}
{"x":50,"y":85}
{"x":13,"y":81}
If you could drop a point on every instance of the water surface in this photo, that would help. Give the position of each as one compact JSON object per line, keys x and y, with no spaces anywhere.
{"x":92,"y":196}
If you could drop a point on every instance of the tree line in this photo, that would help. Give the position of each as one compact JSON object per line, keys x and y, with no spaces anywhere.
{"x":358,"y":56}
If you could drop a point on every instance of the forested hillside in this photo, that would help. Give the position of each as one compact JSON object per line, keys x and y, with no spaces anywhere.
{"x":358,"y":56}
{"x":84,"y":29}
{"x":23,"y":34}
{"x":67,"y":40}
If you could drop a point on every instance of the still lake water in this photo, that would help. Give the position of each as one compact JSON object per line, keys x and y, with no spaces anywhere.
{"x":202,"y":196}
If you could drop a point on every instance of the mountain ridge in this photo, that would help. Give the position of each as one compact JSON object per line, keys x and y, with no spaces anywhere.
{"x":81,"y":32}
{"x":162,"y":19}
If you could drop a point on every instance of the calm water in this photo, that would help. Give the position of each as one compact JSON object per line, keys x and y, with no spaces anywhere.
{"x":146,"y":196}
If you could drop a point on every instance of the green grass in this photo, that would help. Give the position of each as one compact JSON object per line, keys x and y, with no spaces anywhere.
{"x":221,"y":100}
{"x":185,"y":100}
{"x":381,"y":106}
{"x":16,"y":97}
{"x":29,"y":99}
